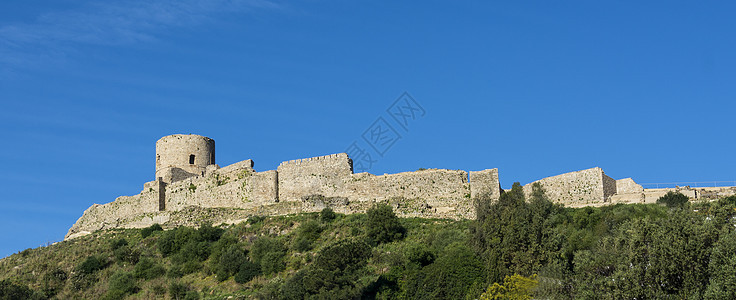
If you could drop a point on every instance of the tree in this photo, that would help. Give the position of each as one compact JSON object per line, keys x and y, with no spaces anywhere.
{"x":673,"y":199}
{"x":514,"y":287}
{"x":722,"y":283}
{"x":382,"y":225}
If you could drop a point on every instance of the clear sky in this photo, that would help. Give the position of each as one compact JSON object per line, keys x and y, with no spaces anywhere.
{"x":539,"y":88}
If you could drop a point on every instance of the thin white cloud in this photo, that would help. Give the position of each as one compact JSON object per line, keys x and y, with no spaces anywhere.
{"x":53,"y":35}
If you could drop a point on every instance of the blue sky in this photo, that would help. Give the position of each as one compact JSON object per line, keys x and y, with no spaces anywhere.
{"x":642,"y":90}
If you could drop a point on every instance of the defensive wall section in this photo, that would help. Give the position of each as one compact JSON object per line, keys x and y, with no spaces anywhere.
{"x":189,"y":187}
{"x":575,"y":189}
{"x":303,"y":185}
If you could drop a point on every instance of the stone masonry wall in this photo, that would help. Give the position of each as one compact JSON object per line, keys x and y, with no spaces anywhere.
{"x":300,"y":186}
{"x":444,"y":191}
{"x":232,"y":187}
{"x":581,"y":188}
{"x":628,"y":186}
{"x":484,"y":183}
{"x":235,"y":186}
{"x":609,"y":187}
{"x":323,"y":175}
{"x":115,"y":214}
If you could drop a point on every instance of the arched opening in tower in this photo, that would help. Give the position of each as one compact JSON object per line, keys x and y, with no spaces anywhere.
{"x":191,"y":159}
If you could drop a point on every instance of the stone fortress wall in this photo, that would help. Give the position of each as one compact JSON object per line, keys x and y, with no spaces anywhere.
{"x":187,"y":178}
{"x":581,"y":188}
{"x":303,"y":185}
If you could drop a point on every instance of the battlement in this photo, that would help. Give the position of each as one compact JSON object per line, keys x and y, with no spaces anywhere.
{"x":337,"y":156}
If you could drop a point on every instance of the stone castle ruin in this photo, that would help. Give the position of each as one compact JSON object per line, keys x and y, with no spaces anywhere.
{"x":189,"y":186}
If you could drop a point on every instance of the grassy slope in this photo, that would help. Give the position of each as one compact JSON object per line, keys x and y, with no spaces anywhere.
{"x":30,"y":267}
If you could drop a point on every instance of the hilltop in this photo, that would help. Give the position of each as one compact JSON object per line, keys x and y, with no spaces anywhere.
{"x":526,"y":247}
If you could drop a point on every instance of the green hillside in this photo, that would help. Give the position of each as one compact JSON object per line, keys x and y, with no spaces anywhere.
{"x":517,"y":249}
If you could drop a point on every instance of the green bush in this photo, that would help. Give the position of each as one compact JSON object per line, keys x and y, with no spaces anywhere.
{"x":382,"y":225}
{"x":178,"y":290}
{"x":248,"y":271}
{"x":173,"y":240}
{"x":306,"y":235}
{"x":268,"y":252}
{"x":264,"y":245}
{"x":91,"y":265}
{"x":146,"y":268}
{"x":145,"y":232}
{"x":191,"y":267}
{"x":192,"y":250}
{"x":344,"y":255}
{"x":53,"y":282}
{"x":209,"y":233}
{"x":457,"y":272}
{"x":175,"y":271}
{"x":420,"y":254}
{"x":127,"y":254}
{"x":335,"y":273}
{"x":117,"y":243}
{"x":191,"y":295}
{"x":10,"y":290}
{"x":273,"y":262}
{"x":230,"y":262}
{"x":327,"y":215}
{"x":121,"y":284}
{"x":673,"y":199}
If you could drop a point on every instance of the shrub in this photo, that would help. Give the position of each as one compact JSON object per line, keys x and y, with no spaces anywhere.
{"x":306,"y":235}
{"x":191,"y":295}
{"x":117,"y":243}
{"x":192,"y":251}
{"x":173,"y":240}
{"x":264,"y":245}
{"x":175,"y":271}
{"x":230,"y":262}
{"x":343,"y":255}
{"x":420,"y":254}
{"x":121,"y":284}
{"x":91,"y":264}
{"x":177,"y":290}
{"x":148,"y":269}
{"x":382,"y":225}
{"x":457,"y":272}
{"x":327,"y":215}
{"x":127,"y":254}
{"x":673,"y":199}
{"x":80,"y":281}
{"x":514,"y":287}
{"x":145,"y":232}
{"x":273,"y":262}
{"x":335,"y":273}
{"x":9,"y":290}
{"x":191,"y":267}
{"x":209,"y":233}
{"x":248,"y":271}
{"x":53,"y":282}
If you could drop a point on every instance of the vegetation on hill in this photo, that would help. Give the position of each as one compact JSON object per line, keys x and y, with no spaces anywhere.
{"x":517,"y":248}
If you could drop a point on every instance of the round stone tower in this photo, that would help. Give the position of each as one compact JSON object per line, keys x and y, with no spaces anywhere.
{"x":180,"y":156}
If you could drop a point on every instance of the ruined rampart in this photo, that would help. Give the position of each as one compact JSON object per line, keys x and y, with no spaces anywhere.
{"x":304,"y":185}
{"x":581,"y":188}
{"x":323,"y":175}
{"x":188,"y":180}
